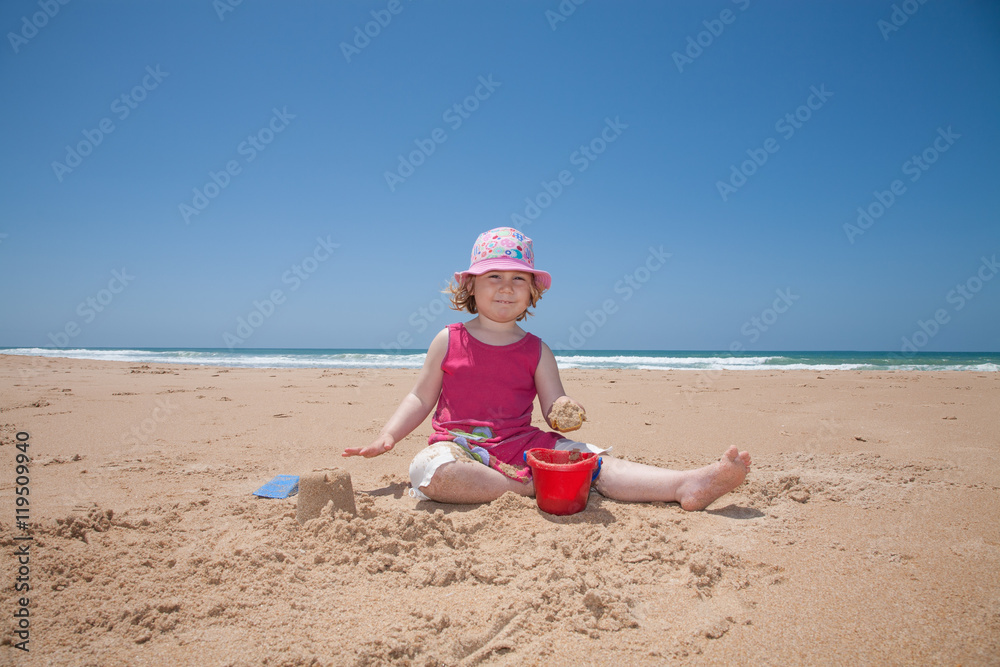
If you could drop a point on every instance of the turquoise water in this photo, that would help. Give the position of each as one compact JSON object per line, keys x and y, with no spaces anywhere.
{"x":625,"y":359}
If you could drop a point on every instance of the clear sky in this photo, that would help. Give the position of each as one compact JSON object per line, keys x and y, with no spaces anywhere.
{"x":691,"y":172}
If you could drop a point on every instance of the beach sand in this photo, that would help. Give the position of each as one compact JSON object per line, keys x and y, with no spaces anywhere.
{"x":866,"y":533}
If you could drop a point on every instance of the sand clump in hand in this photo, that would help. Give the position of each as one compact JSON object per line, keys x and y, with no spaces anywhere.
{"x":565,"y":416}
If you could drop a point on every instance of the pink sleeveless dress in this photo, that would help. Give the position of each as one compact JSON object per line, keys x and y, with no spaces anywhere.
{"x":491,"y":387}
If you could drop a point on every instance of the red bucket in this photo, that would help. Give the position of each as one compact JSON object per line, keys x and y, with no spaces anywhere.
{"x":562,"y":478}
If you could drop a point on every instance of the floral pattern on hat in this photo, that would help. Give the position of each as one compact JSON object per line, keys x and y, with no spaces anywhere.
{"x":507,"y":248}
{"x":503,"y":242}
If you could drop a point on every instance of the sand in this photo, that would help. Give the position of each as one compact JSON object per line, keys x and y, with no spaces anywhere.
{"x":866,"y":533}
{"x":565,"y":416}
{"x":325,"y":493}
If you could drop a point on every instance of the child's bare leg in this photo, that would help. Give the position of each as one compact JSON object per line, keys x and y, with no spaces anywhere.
{"x":693,"y":489}
{"x":468,"y":482}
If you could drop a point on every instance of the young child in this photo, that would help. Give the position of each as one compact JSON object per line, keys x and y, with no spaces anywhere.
{"x":483,"y":377}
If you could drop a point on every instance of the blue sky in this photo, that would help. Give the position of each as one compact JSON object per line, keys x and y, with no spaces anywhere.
{"x":739,"y":137}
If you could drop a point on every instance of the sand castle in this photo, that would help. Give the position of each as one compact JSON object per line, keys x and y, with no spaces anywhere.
{"x":317,"y":489}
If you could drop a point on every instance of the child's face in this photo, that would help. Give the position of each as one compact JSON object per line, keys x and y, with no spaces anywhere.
{"x":502,"y":295}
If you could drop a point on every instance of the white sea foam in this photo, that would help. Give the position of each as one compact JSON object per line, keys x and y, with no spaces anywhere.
{"x":237,"y":358}
{"x":608,"y":360}
{"x":662,"y":363}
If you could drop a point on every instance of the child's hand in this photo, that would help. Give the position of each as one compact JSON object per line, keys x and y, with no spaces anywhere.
{"x":381,"y":445}
{"x":566,"y":414}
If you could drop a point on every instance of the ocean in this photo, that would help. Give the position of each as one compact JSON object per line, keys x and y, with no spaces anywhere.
{"x":653,"y":360}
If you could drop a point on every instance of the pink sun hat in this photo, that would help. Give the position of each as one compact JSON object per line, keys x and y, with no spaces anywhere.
{"x":504,"y":249}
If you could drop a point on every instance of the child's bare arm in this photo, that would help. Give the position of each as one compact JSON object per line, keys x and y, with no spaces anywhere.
{"x":414,"y":407}
{"x":549,"y":385}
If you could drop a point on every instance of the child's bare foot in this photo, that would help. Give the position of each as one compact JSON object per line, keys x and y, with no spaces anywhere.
{"x":705,"y":485}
